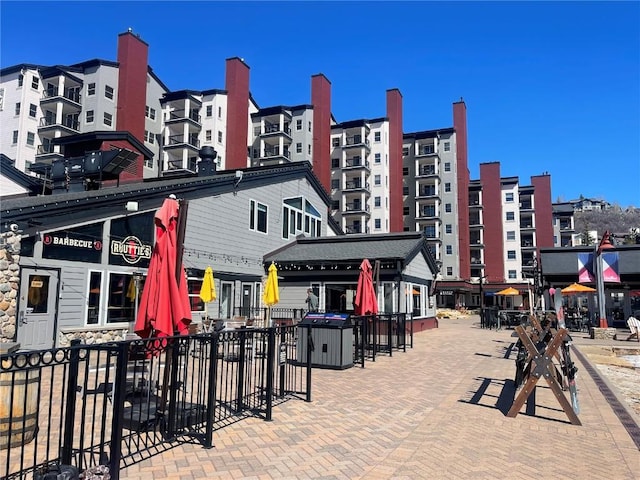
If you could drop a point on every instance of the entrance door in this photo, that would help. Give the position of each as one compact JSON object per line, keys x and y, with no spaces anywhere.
{"x":37,"y":316}
{"x":245,"y":306}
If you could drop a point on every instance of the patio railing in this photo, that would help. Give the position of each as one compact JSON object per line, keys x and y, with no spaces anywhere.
{"x":116,"y":404}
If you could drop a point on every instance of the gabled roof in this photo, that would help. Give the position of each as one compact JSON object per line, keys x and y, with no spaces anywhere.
{"x":7,"y":168}
{"x":402,"y":247}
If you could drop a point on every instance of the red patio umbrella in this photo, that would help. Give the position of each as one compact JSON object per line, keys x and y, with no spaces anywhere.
{"x":164,"y":305}
{"x":365,"y":301}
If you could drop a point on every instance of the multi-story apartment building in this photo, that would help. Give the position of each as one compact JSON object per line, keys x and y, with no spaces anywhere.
{"x":43,"y":104}
{"x":379,"y":179}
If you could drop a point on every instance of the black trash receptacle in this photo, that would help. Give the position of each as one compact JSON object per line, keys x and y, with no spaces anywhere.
{"x":332,"y":340}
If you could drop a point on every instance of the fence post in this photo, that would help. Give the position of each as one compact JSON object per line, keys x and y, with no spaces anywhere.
{"x":310,"y":348}
{"x":271,"y":358}
{"x":241,"y":355}
{"x":70,"y":407}
{"x":211,"y":396}
{"x":172,"y":409}
{"x":403,"y":322}
{"x":390,"y":321}
{"x":119,"y":395}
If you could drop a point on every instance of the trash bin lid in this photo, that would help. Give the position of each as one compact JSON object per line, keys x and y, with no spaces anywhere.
{"x":326,"y":320}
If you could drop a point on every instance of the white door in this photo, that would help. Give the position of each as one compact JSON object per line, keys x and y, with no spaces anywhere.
{"x":38,"y":302}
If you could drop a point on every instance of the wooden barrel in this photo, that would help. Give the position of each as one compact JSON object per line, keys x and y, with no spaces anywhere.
{"x":18,"y":406}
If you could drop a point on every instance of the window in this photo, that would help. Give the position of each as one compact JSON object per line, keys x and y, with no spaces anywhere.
{"x":207,"y":136}
{"x":376,"y":158}
{"x":20,"y":80}
{"x":406,"y":211}
{"x":376,"y":201}
{"x":335,"y":142}
{"x":298,"y":148}
{"x":91,"y":89}
{"x":309,"y":129}
{"x":219,"y":136}
{"x":309,"y":149}
{"x":150,"y":112}
{"x":377,"y":180}
{"x":108,"y":92}
{"x":447,"y":166}
{"x":511,"y":254}
{"x":510,"y":216}
{"x":405,"y":151}
{"x":121,"y":301}
{"x":18,"y":108}
{"x":258,"y":217}
{"x":299,"y":213}
{"x":512,"y":274}
{"x":335,"y":204}
{"x":108,"y":119}
{"x":449,"y":249}
{"x":448,"y":228}
{"x":377,"y":224}
{"x":376,"y":136}
{"x":449,"y":271}
{"x":508,"y":197}
{"x":33,"y":110}
{"x":89,"y":116}
{"x":335,"y":163}
{"x":405,"y":190}
{"x":447,"y":187}
{"x":511,"y":235}
{"x":219,"y":112}
{"x":193,"y":289}
{"x":31,"y":138}
{"x":298,"y":124}
{"x":447,"y":207}
{"x":209,"y":110}
{"x":15,"y":137}
{"x":335,"y":184}
{"x":405,"y":171}
{"x":35,"y":82}
{"x":447,"y":146}
{"x":148,"y":137}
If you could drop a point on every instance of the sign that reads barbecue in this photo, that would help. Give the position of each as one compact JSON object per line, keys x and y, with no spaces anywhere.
{"x":131,"y":240}
{"x":80,"y":244}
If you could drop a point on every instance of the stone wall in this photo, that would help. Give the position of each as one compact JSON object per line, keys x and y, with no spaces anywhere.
{"x":90,"y":336}
{"x":9,"y":284}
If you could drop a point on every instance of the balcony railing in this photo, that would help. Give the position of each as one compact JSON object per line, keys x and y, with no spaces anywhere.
{"x":184,"y":115}
{"x":356,"y":163}
{"x":427,"y":170}
{"x":68,"y":122}
{"x":356,"y":229}
{"x":356,"y":140}
{"x":356,"y":185}
{"x":180,"y":139}
{"x":426,"y":150}
{"x":268,"y":153}
{"x":356,"y":207}
{"x":272,"y":128}
{"x":69,"y":94}
{"x":45,"y":149}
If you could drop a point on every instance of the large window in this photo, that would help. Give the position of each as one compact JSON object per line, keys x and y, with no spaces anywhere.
{"x":300,"y":216}
{"x":121,"y":298}
{"x":258,"y":217}
{"x":193,"y":285}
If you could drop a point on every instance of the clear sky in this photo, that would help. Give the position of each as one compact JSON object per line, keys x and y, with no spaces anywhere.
{"x":549,"y":86}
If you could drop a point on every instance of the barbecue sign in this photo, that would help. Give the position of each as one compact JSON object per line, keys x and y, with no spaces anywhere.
{"x":79,"y":244}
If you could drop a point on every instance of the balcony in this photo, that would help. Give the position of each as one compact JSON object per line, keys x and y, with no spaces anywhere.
{"x":356,"y":207}
{"x":69,"y":123}
{"x":427,"y":193}
{"x":70,"y":96}
{"x":275,"y":152}
{"x":355,"y":163}
{"x":427,"y":171}
{"x":183,"y":115}
{"x":272,"y":129}
{"x":356,"y":228}
{"x":356,"y":141}
{"x":425,"y":150}
{"x":189,"y":141}
{"x":426,"y":213}
{"x":357,"y":185}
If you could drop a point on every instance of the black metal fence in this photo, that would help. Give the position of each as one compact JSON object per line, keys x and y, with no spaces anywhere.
{"x":379,"y":335}
{"x":115,"y":404}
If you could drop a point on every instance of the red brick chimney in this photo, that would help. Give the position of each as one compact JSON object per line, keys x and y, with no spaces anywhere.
{"x":237,"y":86}
{"x":394,"y":114}
{"x":321,"y":101}
{"x":462,"y":165}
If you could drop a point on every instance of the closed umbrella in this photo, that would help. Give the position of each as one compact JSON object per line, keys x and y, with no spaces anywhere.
{"x":208,"y":289}
{"x":271,"y":294}
{"x":365,"y":301}
{"x":164,"y":304}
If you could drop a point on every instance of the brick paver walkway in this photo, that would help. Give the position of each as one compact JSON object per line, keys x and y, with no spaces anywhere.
{"x":434,"y":412}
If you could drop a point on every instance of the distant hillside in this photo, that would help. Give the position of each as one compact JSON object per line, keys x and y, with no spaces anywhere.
{"x":615,"y":219}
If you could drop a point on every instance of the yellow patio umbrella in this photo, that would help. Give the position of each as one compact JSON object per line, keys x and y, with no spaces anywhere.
{"x":271,"y":294}
{"x":208,"y":289}
{"x":577,"y":288}
{"x":508,"y":291}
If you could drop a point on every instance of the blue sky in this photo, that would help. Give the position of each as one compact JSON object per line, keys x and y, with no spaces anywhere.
{"x":549,"y":86}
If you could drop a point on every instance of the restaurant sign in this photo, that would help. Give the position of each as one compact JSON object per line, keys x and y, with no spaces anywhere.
{"x":446,"y":292}
{"x":80,"y":244}
{"x":131,"y":249}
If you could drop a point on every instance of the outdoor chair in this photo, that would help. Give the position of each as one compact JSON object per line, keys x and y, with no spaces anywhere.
{"x":634,"y":326}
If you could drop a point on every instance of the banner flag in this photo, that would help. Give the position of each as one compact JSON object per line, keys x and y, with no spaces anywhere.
{"x":586,"y":272}
{"x":610,"y":268}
